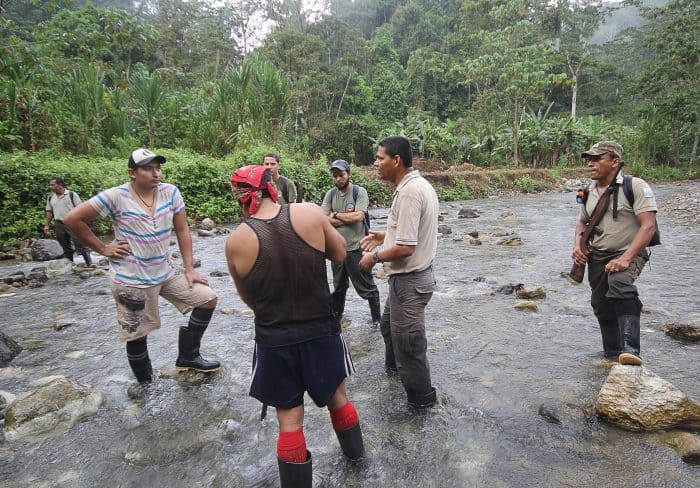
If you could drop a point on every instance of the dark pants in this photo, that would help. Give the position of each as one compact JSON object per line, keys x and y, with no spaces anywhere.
{"x":349,"y":270}
{"x":611,"y":289}
{"x":612,"y":286}
{"x":64,"y":238}
{"x":403,"y":329}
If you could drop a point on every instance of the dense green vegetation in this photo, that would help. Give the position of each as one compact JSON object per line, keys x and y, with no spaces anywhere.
{"x":520,"y":83}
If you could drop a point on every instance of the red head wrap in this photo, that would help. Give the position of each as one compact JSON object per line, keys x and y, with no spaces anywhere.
{"x":247,"y":183}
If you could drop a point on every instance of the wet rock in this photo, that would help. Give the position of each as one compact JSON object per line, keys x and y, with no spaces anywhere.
{"x":474,"y":241}
{"x":5,"y":287}
{"x":6,"y":398}
{"x":468,"y":213}
{"x":103,"y":262}
{"x":207,"y":224}
{"x":441,"y":218}
{"x":473,"y":233}
{"x":510,"y":241}
{"x":176,"y":255}
{"x":457,"y":239}
{"x":531,"y":292}
{"x":686,"y":445}
{"x":549,"y":413}
{"x":526,"y":305}
{"x":226,"y":311}
{"x":6,"y":255}
{"x":573,"y":185}
{"x":46,"y":250}
{"x":508,"y":216}
{"x":59,"y":267}
{"x":50,"y":410}
{"x":444,"y":229}
{"x":102,"y":291}
{"x":683,"y":332}
{"x":635,"y":399}
{"x":218,"y":273}
{"x":500,"y":232}
{"x":9,"y":349}
{"x":98,"y":272}
{"x":205,"y":233}
{"x":510,"y":288}
{"x":84,"y":275}
{"x":16,"y":279}
{"x":196,"y":263}
{"x":38,"y":274}
{"x":63,"y":323}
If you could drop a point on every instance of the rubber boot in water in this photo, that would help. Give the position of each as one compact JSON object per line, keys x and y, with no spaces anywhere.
{"x":630,"y":330}
{"x":351,"y":443}
{"x":295,"y":475}
{"x":87,"y":258}
{"x":374,"y":309}
{"x":188,"y":352}
{"x":142,"y":369}
{"x":612,"y":339}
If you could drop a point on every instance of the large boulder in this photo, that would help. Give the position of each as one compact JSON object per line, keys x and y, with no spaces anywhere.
{"x":59,"y":267}
{"x":50,"y":410}
{"x":635,"y":399}
{"x":8,"y":349}
{"x":683,"y":332}
{"x":46,"y":250}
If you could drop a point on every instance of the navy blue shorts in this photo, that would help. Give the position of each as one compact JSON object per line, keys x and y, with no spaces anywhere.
{"x":282,"y":374}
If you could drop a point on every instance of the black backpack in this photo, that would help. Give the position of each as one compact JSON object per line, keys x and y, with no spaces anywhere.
{"x":355,"y":191}
{"x":285,"y":190}
{"x":582,"y":197}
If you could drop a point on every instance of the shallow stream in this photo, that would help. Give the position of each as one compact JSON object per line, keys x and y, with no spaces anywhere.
{"x":493,"y":366}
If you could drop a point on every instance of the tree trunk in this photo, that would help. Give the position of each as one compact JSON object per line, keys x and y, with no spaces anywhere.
{"x":574,"y":93}
{"x":696,"y":141}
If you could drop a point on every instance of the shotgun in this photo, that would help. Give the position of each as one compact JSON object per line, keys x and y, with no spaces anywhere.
{"x":577,"y":270}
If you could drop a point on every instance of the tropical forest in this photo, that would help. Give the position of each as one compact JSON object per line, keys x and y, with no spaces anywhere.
{"x":213,"y":85}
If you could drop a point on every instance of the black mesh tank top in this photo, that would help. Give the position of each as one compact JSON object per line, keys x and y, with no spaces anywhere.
{"x":288,"y":283}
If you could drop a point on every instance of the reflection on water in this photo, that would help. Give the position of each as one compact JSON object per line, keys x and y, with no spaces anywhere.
{"x":493,"y":367}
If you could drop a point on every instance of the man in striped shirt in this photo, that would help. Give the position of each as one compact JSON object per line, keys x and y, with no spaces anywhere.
{"x":145,"y":213}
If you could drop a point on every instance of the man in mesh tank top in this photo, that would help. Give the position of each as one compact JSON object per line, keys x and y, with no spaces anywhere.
{"x":277,"y":258}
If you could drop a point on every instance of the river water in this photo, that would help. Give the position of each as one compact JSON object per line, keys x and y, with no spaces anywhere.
{"x":493,"y":367}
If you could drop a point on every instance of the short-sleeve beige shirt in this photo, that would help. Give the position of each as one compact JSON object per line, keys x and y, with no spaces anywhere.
{"x":413,"y":221}
{"x":618,"y":234}
{"x":59,"y":206}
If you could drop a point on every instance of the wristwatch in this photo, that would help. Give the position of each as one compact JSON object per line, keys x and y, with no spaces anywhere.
{"x":375,"y":257}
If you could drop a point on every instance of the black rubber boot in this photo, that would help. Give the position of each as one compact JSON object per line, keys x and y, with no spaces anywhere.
{"x":423,"y":401}
{"x":612,"y":339}
{"x":137,"y":355}
{"x":351,"y":443}
{"x":188,"y":352}
{"x":628,"y":318}
{"x":630,"y":330}
{"x":375,"y":310}
{"x":296,"y":475}
{"x":87,"y":258}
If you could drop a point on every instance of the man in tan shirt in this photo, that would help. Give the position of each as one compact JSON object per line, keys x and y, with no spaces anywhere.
{"x":58,"y":204}
{"x":407,"y":250}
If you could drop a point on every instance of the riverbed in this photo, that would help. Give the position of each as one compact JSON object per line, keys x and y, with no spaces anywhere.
{"x":493,"y":367}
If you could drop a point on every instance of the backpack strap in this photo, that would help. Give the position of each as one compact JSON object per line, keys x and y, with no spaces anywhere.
{"x":285,"y":189}
{"x":334,"y":190}
{"x":627,"y":189}
{"x":72,"y":198}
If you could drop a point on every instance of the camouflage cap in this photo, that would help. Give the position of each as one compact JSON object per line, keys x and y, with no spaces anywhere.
{"x":603,"y":147}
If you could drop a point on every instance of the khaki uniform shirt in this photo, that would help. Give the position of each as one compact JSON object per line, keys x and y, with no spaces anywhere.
{"x":618,"y":234}
{"x":354,"y":232}
{"x":413,"y":221}
{"x":59,"y":206}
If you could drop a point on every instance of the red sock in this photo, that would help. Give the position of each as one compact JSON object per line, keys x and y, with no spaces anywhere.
{"x":345,"y":417}
{"x":291,"y":446}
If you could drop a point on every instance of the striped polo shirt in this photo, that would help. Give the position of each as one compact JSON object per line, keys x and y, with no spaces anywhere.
{"x":150,"y":262}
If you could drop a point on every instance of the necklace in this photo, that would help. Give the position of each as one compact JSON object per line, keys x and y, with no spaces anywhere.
{"x":142,"y":200}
